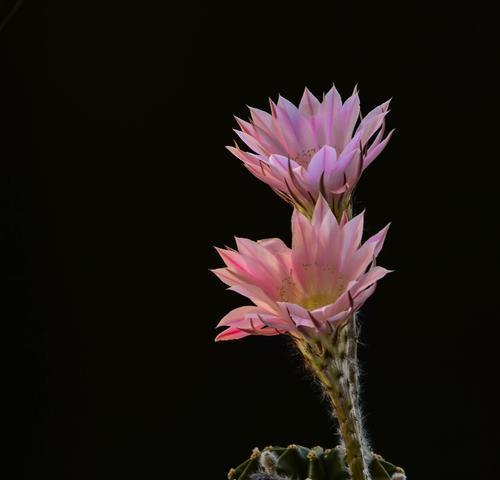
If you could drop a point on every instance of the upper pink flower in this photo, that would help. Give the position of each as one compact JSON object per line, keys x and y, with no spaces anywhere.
{"x":325,"y":277}
{"x":319,"y":147}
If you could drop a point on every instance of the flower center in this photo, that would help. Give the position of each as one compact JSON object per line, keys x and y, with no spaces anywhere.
{"x":303,"y":158}
{"x":317,"y":300}
{"x":327,"y":296}
{"x":331,"y":291}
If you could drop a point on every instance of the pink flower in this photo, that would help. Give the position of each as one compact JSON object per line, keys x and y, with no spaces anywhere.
{"x":315,"y":148}
{"x":324,"y":278}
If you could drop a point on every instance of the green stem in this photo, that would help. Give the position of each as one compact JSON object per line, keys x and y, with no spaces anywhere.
{"x":333,"y":360}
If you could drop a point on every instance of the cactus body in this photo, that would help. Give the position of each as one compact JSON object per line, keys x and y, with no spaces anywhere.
{"x":300,"y":463}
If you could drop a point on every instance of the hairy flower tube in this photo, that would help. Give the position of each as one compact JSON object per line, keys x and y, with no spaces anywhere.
{"x":315,"y":148}
{"x":305,"y":290}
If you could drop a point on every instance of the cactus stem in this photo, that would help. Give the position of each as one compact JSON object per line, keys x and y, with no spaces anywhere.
{"x":333,"y":360}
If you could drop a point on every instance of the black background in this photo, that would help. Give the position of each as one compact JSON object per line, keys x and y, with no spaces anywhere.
{"x":115,"y":182}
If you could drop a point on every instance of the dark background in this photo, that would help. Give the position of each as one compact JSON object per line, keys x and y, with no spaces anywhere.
{"x":116,"y":184}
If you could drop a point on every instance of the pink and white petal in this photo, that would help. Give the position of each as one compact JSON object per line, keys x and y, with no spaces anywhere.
{"x":338,"y":318}
{"x":375,"y":150}
{"x":239,"y":317}
{"x":245,"y":126}
{"x":369,"y":278}
{"x":363,"y":296}
{"x":267,"y":177}
{"x":251,"y":142}
{"x":257,"y":296}
{"x":328,"y":234}
{"x":379,"y":239}
{"x":322,"y":214}
{"x":309,"y":104}
{"x":329,"y":112}
{"x":356,"y":266}
{"x":369,"y":126}
{"x":353,"y":233}
{"x":262,"y":119}
{"x":266,"y":258}
{"x":282,"y":163}
{"x":291,"y":175}
{"x":274,"y":245}
{"x":302,"y":244}
{"x":289,"y":120}
{"x":251,"y":269}
{"x":280,"y":131}
{"x":336,"y":181}
{"x":231,"y":333}
{"x":297,"y":314}
{"x":322,"y":163}
{"x":267,"y":332}
{"x":227,"y":276}
{"x":354,"y":143}
{"x":288,"y":107}
{"x":348,"y":118}
{"x":277,"y":322}
{"x":236,"y":261}
{"x":384,"y":107}
{"x":270,"y":142}
{"x":248,"y":157}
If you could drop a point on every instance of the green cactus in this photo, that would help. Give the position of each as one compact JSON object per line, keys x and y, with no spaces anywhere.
{"x":300,"y":463}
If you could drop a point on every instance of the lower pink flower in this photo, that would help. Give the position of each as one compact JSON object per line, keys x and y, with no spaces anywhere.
{"x":324,"y":278}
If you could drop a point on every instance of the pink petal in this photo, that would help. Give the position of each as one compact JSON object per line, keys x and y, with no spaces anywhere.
{"x":353,"y":233}
{"x":322,"y":163}
{"x":379,"y":239}
{"x":239,"y":317}
{"x":256,"y":295}
{"x":329,"y":112}
{"x":231,"y":333}
{"x":274,"y":245}
{"x":297,"y":314}
{"x":309,"y":104}
{"x":369,"y":278}
{"x":348,"y":118}
{"x":373,"y":152}
{"x":251,"y":142}
{"x":262,"y":119}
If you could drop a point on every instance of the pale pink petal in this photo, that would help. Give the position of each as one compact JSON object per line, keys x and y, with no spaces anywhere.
{"x":363,"y":296}
{"x":374,"y":152}
{"x":288,"y":117}
{"x":239,"y":317}
{"x":309,"y":104}
{"x":297,"y":314}
{"x":227,"y":276}
{"x":330,"y":111}
{"x":231,"y":333}
{"x":274,"y":245}
{"x":256,"y":295}
{"x":348,"y":118}
{"x":251,"y":142}
{"x":373,"y":275}
{"x":379,"y":239}
{"x":322,"y":163}
{"x":262,"y":119}
{"x":269,"y":261}
{"x":353,"y":232}
{"x":369,"y":126}
{"x":248,"y":157}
